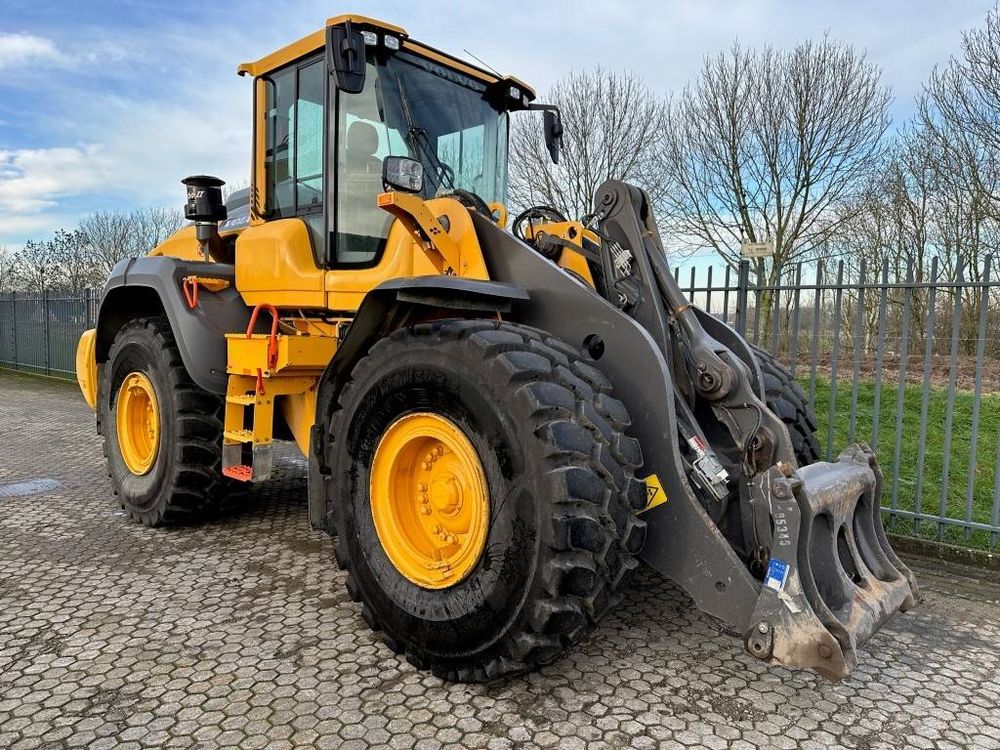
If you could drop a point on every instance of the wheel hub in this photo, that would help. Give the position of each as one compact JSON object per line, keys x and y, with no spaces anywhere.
{"x":138,"y":423}
{"x":429,"y":500}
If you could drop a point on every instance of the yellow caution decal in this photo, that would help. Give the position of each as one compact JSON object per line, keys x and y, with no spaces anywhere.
{"x":654,"y":492}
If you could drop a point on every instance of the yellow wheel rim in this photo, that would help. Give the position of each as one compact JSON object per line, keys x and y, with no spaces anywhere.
{"x":429,"y":500}
{"x":138,"y":422}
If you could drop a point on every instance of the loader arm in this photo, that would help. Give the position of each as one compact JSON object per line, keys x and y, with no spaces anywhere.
{"x":794,"y":559}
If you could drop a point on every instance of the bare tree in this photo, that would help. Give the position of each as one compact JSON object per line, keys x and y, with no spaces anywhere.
{"x":110,"y":237}
{"x":114,"y":235}
{"x":75,"y":260}
{"x":152,"y":226}
{"x":958,"y":115}
{"x":960,"y":105}
{"x":6,"y":269}
{"x":82,"y":258}
{"x":888,"y":230}
{"x":770,"y":144}
{"x":612,"y":123}
{"x":36,"y":267}
{"x":888,"y":222}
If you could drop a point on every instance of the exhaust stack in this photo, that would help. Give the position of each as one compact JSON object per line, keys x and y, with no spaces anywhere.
{"x":206,"y":209}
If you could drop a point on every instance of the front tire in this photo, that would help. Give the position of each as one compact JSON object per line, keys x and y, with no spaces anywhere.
{"x":562,"y":531}
{"x":787,"y":399}
{"x":166,"y":468}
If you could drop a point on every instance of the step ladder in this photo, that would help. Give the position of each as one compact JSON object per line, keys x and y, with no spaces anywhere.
{"x":263,"y":368}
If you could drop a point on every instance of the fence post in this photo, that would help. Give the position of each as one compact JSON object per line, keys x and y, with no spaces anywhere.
{"x":742,"y":291}
{"x":13,"y":328}
{"x":45,"y":319}
{"x":86,"y":309}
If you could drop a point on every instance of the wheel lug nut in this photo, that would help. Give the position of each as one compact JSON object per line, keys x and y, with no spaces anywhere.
{"x":423,"y":498}
{"x":425,"y":510}
{"x":426,"y":465}
{"x":438,"y":451}
{"x":422,"y":486}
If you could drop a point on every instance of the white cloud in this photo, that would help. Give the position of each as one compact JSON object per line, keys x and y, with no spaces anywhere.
{"x":20,"y":49}
{"x":14,"y":229}
{"x":34,"y":179}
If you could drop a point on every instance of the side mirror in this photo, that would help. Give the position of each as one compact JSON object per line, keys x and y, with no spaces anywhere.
{"x":403,"y":173}
{"x":552,"y":127}
{"x":345,"y":56}
{"x":553,"y":133}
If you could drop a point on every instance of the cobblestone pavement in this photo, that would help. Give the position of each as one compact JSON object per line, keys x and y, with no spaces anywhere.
{"x":239,"y":633}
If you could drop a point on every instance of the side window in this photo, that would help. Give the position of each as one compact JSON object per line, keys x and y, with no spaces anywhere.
{"x":277,"y":153}
{"x":293,"y":156}
{"x":309,"y":138}
{"x":363,"y":141}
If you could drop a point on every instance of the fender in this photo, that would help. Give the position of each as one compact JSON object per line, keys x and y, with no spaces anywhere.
{"x":153,"y":286}
{"x":389,"y":306}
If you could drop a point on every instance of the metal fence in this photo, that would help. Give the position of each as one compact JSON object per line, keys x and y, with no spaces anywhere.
{"x":39,"y":332}
{"x":905,"y":358}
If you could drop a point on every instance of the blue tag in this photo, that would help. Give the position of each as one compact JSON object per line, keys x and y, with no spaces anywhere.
{"x":777,"y":574}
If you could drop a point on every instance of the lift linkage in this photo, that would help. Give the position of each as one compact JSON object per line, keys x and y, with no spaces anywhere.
{"x":811,"y":538}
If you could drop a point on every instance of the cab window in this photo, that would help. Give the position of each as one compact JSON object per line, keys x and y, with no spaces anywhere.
{"x":466,"y":152}
{"x":293,"y":155}
{"x":363,"y":141}
{"x":412,"y":107}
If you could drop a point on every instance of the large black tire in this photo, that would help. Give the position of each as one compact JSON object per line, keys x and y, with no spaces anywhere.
{"x":786,"y":399}
{"x":185,"y":482}
{"x":563,"y":531}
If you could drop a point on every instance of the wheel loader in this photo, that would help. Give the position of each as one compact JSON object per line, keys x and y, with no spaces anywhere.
{"x":500,"y":425}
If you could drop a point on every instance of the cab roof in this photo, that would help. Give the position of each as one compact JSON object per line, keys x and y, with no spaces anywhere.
{"x":315,"y":42}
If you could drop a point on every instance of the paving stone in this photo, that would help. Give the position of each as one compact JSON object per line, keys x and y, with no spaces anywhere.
{"x":239,"y":633}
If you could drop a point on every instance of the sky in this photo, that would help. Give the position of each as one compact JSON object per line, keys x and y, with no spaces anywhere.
{"x":107,"y":104}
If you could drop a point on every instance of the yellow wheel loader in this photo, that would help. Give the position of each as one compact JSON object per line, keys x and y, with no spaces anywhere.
{"x":499,"y":425}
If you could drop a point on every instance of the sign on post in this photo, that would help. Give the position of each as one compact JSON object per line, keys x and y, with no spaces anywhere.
{"x":763,"y":249}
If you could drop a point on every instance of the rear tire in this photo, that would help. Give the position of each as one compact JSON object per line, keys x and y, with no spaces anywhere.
{"x":563,"y":532}
{"x":184,"y":482}
{"x":787,"y":399}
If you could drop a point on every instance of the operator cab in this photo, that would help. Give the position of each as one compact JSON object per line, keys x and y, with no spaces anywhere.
{"x":321,"y":143}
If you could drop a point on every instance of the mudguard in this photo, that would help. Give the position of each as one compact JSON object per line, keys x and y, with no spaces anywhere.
{"x":154,"y":285}
{"x":391,"y":305}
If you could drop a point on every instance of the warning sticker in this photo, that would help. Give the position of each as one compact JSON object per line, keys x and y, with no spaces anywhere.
{"x":777,"y":574}
{"x":654,"y":492}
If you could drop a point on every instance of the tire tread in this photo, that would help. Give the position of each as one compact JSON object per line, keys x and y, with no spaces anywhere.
{"x":596,"y":533}
{"x":198,"y":486}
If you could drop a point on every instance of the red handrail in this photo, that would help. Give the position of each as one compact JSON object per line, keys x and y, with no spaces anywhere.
{"x":272,"y":342}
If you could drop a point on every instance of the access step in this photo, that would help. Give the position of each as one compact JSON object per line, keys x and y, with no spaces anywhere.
{"x":240,"y":472}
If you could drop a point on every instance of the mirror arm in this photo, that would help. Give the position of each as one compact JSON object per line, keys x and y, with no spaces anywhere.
{"x":543,"y":108}
{"x":348,"y":48}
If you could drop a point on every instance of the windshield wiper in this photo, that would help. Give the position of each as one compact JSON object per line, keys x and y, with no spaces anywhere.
{"x":421,"y":144}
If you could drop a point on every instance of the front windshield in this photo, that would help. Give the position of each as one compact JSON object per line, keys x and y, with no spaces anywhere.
{"x":413,"y":107}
